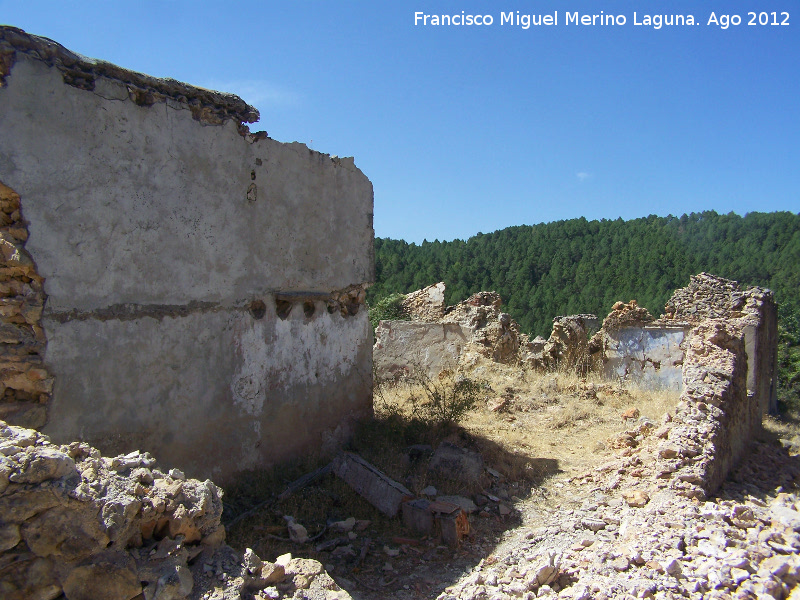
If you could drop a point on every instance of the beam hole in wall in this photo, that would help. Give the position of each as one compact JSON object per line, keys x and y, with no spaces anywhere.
{"x":283,"y":308}
{"x":308,"y":309}
{"x":252,"y":192}
{"x":258,"y":309}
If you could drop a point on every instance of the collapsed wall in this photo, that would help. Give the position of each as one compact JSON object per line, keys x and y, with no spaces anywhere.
{"x":440,"y":338}
{"x":567,"y":347}
{"x":754,"y":314}
{"x":632,"y":344}
{"x":716,"y":419}
{"x":204,"y":285}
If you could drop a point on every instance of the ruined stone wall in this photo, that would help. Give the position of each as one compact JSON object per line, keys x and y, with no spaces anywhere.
{"x":204,"y":285}
{"x":716,"y":418}
{"x":633,"y":345}
{"x":567,"y":347}
{"x":443,"y":338}
{"x":754,"y":314}
{"x":426,"y":304}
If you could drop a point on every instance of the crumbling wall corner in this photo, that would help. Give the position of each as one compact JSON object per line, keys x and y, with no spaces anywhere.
{"x":25,"y":382}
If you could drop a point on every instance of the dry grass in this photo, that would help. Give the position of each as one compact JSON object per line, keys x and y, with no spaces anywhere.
{"x":527,"y":426}
{"x":536,"y":418}
{"x":784,"y":430}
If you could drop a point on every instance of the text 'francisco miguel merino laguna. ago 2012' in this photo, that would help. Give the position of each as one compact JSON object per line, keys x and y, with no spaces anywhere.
{"x":525,"y":21}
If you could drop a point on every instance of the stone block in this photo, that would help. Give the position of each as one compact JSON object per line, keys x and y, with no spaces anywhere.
{"x":382,"y":492}
{"x":418,"y":517}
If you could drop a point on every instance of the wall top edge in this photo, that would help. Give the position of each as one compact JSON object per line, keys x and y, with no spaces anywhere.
{"x":82,"y":71}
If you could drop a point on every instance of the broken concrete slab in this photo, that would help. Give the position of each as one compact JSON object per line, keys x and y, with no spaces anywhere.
{"x":381,"y":491}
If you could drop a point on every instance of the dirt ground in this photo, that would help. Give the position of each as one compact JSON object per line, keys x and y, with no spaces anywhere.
{"x":533,"y":431}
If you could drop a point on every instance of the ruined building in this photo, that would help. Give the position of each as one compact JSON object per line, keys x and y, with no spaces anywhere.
{"x":633,"y":344}
{"x":444,"y":338}
{"x":715,"y":345}
{"x":172,"y":282}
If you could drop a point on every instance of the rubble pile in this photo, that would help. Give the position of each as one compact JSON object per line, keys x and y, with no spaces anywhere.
{"x":76,"y":523}
{"x":25,"y":383}
{"x":427,"y":304}
{"x":612,"y":540}
{"x":495,"y":335}
{"x":567,"y":346}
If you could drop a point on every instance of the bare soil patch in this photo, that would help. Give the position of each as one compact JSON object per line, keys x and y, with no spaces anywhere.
{"x":533,"y":431}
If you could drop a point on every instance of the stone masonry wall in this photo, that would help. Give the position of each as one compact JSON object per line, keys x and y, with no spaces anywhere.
{"x":753,"y":312}
{"x":716,"y":419}
{"x":427,"y":304}
{"x":204,"y":284}
{"x":25,"y":382}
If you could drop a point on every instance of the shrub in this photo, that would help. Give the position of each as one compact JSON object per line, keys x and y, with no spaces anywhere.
{"x":447,"y":400}
{"x":389,"y":308}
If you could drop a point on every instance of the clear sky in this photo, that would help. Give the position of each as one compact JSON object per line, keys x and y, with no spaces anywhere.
{"x":467,"y":129}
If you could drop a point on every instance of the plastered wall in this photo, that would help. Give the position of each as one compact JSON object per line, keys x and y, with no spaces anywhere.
{"x":204,"y":285}
{"x":406,"y":347}
{"x":651,"y":356}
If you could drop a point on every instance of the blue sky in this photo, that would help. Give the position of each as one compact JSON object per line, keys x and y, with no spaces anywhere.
{"x":464,"y":129}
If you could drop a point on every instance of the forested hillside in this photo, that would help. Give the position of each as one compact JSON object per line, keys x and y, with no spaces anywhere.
{"x":580,"y":266}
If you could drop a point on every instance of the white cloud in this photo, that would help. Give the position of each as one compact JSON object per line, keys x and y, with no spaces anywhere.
{"x":260,"y":94}
{"x":583,"y":176}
